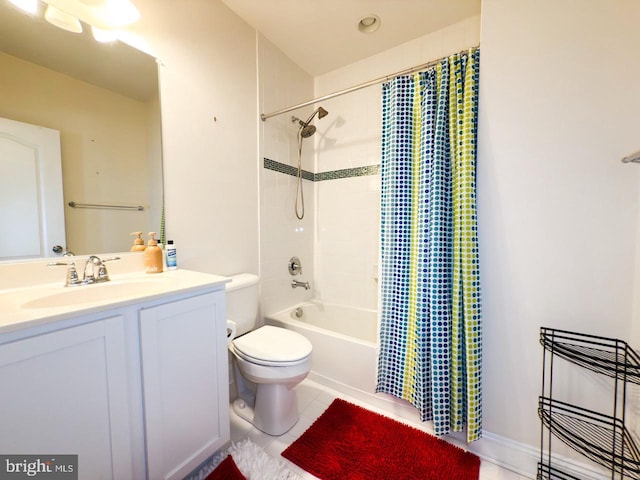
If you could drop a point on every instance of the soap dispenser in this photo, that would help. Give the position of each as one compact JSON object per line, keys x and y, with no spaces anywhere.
{"x":153,"y":255}
{"x":138,"y":244}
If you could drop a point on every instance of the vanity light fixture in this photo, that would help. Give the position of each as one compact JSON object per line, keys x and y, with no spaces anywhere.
{"x":103,"y":14}
{"x":104,"y":36}
{"x":369,"y":23}
{"x":106,"y":17}
{"x":62,"y":20}
{"x":29,"y":6}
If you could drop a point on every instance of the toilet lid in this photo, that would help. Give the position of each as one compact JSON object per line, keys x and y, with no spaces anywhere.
{"x":272,"y":345}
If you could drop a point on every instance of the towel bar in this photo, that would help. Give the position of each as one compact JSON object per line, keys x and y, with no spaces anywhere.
{"x":97,"y":205}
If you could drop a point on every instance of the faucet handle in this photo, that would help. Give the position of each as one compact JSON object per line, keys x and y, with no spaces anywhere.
{"x":72,"y":273}
{"x":110,"y":259}
{"x":295,"y":266}
{"x":103,"y":274}
{"x":72,"y":276}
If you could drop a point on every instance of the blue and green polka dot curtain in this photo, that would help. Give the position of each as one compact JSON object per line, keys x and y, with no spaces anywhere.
{"x":430,"y":332}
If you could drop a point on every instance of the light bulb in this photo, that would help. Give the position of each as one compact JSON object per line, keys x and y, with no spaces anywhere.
{"x":62,"y":20}
{"x":29,"y":6}
{"x":104,"y":36}
{"x":121,"y":12}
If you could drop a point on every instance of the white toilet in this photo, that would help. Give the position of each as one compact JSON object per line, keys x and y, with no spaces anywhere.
{"x":268,"y":362}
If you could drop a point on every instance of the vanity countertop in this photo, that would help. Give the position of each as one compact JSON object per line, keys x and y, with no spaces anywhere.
{"x":28,"y":306}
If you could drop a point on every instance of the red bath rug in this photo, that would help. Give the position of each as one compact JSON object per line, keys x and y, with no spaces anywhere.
{"x":350,"y":442}
{"x":227,"y":470}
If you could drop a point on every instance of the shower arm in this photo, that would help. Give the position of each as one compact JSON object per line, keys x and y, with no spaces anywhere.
{"x":311,"y":117}
{"x":308,"y":121}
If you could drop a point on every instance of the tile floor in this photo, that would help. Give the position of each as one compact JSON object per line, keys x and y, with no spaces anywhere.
{"x":313,"y":399}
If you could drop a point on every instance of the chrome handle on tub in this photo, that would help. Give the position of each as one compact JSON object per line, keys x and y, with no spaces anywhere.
{"x":295,"y":266}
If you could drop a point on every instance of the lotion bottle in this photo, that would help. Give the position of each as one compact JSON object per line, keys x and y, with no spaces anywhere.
{"x":153,"y":255}
{"x":172,"y":258}
{"x":138,"y":243}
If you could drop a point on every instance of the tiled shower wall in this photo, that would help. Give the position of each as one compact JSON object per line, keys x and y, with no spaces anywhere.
{"x":282,"y":235}
{"x":347,"y":209}
{"x":338,"y":239}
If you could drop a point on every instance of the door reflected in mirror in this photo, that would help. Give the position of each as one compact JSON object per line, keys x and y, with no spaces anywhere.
{"x":103,"y":99}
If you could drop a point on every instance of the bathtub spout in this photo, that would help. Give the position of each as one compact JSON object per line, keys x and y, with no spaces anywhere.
{"x":297,"y":283}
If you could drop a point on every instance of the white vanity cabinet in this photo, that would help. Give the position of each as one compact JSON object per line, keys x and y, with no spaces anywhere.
{"x":135,"y":388}
{"x":186,"y":419}
{"x":65,"y":392}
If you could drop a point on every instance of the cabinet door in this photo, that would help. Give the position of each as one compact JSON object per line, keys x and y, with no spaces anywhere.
{"x":185,"y":383}
{"x":65,"y":392}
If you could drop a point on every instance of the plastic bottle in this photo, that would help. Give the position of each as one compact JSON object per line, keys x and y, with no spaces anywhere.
{"x":172,"y":256}
{"x":153,"y":255}
{"x":138,"y":243}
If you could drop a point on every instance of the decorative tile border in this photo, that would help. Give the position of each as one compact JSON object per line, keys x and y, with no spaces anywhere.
{"x":288,"y":169}
{"x":318,"y":177}
{"x":347,"y":172}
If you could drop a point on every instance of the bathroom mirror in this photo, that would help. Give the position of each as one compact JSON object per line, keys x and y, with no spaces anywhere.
{"x":103,"y":99}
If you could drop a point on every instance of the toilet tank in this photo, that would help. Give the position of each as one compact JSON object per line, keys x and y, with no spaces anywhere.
{"x":242,"y":301}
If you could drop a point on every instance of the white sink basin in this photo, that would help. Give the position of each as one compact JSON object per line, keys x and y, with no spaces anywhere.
{"x":41,"y":303}
{"x":99,"y":292}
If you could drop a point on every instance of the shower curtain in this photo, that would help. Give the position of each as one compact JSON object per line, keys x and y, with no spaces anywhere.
{"x":430,"y":327}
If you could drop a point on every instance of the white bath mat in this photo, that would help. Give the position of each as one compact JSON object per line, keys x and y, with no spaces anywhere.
{"x":253,"y":462}
{"x":256,"y":464}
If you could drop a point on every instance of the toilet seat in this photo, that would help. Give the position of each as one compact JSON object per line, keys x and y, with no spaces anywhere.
{"x":267,"y":363}
{"x":273,"y":346}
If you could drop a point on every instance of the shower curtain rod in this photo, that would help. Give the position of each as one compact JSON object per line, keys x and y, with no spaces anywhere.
{"x":417,"y":68}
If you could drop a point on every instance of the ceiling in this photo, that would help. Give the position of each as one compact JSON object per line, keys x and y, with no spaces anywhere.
{"x":323,"y":35}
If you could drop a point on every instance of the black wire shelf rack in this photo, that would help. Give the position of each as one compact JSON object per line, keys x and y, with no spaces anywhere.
{"x":608,"y":356}
{"x":600,"y":437}
{"x":549,"y":472}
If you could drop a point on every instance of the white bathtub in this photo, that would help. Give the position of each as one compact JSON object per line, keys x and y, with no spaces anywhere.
{"x":344,"y":342}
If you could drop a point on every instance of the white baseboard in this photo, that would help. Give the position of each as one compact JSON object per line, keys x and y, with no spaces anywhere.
{"x":517,"y":457}
{"x":523,"y":459}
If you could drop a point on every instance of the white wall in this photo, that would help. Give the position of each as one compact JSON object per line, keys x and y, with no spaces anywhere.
{"x":209,"y":128}
{"x":559,"y":102}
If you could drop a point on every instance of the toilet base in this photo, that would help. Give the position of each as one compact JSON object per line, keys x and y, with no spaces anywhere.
{"x":243,"y":409}
{"x":275,"y":410}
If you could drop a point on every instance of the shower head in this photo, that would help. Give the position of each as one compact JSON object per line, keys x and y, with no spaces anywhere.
{"x":306,"y":129}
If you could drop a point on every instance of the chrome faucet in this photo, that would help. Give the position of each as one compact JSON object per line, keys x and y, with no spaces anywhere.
{"x":297,"y":283}
{"x":97,"y":271}
{"x":92,"y":264}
